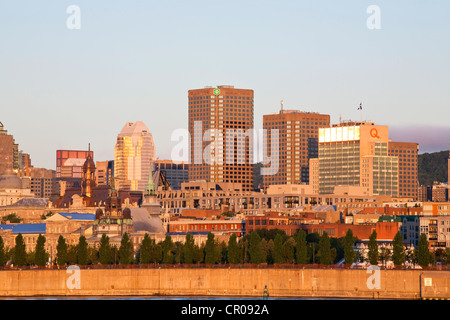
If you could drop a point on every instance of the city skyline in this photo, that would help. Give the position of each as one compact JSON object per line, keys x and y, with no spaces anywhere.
{"x":137,"y":61}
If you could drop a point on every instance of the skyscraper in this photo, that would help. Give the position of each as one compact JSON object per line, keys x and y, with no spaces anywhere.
{"x":356,"y":154}
{"x":134,"y":155}
{"x":9,"y":152}
{"x":298,"y":134}
{"x":220,"y":126}
{"x":408,"y":173}
{"x":69,"y":166}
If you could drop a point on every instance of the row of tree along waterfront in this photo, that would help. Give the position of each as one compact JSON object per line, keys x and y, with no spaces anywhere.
{"x":260,"y":247}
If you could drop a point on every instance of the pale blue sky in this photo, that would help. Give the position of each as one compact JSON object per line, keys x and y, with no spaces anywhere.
{"x":136,"y":60}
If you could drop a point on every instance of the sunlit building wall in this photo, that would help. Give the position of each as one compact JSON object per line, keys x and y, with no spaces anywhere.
{"x":134,"y":156}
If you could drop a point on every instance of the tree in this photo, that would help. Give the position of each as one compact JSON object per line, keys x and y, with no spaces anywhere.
{"x":20,"y":255}
{"x":373,"y":249}
{"x":254,"y":249}
{"x":349,"y":253}
{"x":3,"y":258}
{"x":288,"y":250}
{"x":211,"y":250}
{"x":278,"y":249}
{"x":233,"y":250}
{"x":188,"y":249}
{"x":126,"y":250}
{"x":104,"y":252}
{"x":40,"y":257}
{"x":145,"y":250}
{"x":61,"y":251}
{"x":82,"y":251}
{"x":301,"y":249}
{"x":167,"y":247}
{"x":325,"y":249}
{"x":423,"y":251}
{"x":398,"y":252}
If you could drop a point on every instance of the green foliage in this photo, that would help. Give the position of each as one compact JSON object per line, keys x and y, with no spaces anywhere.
{"x":288,"y":250}
{"x":233,"y":250}
{"x":278,"y":249}
{"x":12,"y":218}
{"x":126,"y":250}
{"x":41,"y":255}
{"x":3,"y":255}
{"x":254,"y":249}
{"x":398,"y":251}
{"x":188,"y":249}
{"x":167,"y":247}
{"x":61,"y":251}
{"x":145,"y":251}
{"x":373,"y":249}
{"x":325,"y":249}
{"x":82,"y":251}
{"x":301,"y":249}
{"x":423,"y":251}
{"x":20,"y":255}
{"x":432,"y":167}
{"x":212,"y":252}
{"x":349,"y":253}
{"x":105,"y":250}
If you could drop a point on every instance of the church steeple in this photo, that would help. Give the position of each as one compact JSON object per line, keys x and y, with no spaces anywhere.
{"x":150,"y":189}
{"x":88,"y":175}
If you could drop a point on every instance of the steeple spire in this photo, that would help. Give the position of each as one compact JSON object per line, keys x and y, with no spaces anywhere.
{"x":150,"y":186}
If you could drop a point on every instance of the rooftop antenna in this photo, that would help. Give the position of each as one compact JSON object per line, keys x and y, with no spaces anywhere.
{"x":282,"y":103}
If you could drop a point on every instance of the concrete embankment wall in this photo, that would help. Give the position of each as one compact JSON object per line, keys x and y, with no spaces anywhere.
{"x":387,"y":284}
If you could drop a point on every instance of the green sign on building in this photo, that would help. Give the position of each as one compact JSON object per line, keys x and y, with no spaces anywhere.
{"x":216,"y":92}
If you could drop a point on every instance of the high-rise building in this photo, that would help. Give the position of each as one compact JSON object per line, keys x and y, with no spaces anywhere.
{"x":42,"y":181}
{"x":105,"y":172}
{"x":408,"y":176}
{"x":9,"y":152}
{"x":69,"y":166}
{"x":174,"y":172}
{"x":221,"y":129}
{"x":134,"y":156}
{"x":298,"y":135}
{"x":356,"y":154}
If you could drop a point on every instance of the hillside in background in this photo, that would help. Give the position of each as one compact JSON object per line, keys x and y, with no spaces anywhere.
{"x":433,"y":167}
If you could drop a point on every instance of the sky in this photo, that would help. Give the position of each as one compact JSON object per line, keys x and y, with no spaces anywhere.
{"x":63,"y":88}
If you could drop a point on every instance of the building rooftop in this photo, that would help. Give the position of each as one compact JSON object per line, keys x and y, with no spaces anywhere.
{"x":25,"y":228}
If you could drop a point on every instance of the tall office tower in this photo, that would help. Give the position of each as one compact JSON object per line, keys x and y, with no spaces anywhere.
{"x":134,"y":156}
{"x":408,"y":176}
{"x":24,"y":160}
{"x":298,"y":134}
{"x":69,"y":166}
{"x":43,"y":181}
{"x":356,"y":154}
{"x":175,"y":172}
{"x":105,"y":172}
{"x":9,"y":152}
{"x":221,"y":128}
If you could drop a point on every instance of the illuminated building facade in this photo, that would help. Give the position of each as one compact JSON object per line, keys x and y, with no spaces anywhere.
{"x":408,"y":172}
{"x":219,"y":119}
{"x":297,"y":144}
{"x":134,"y":156}
{"x":356,"y":154}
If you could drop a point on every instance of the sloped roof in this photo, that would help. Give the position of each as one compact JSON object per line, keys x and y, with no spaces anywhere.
{"x":25,"y":228}
{"x":78,"y":216}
